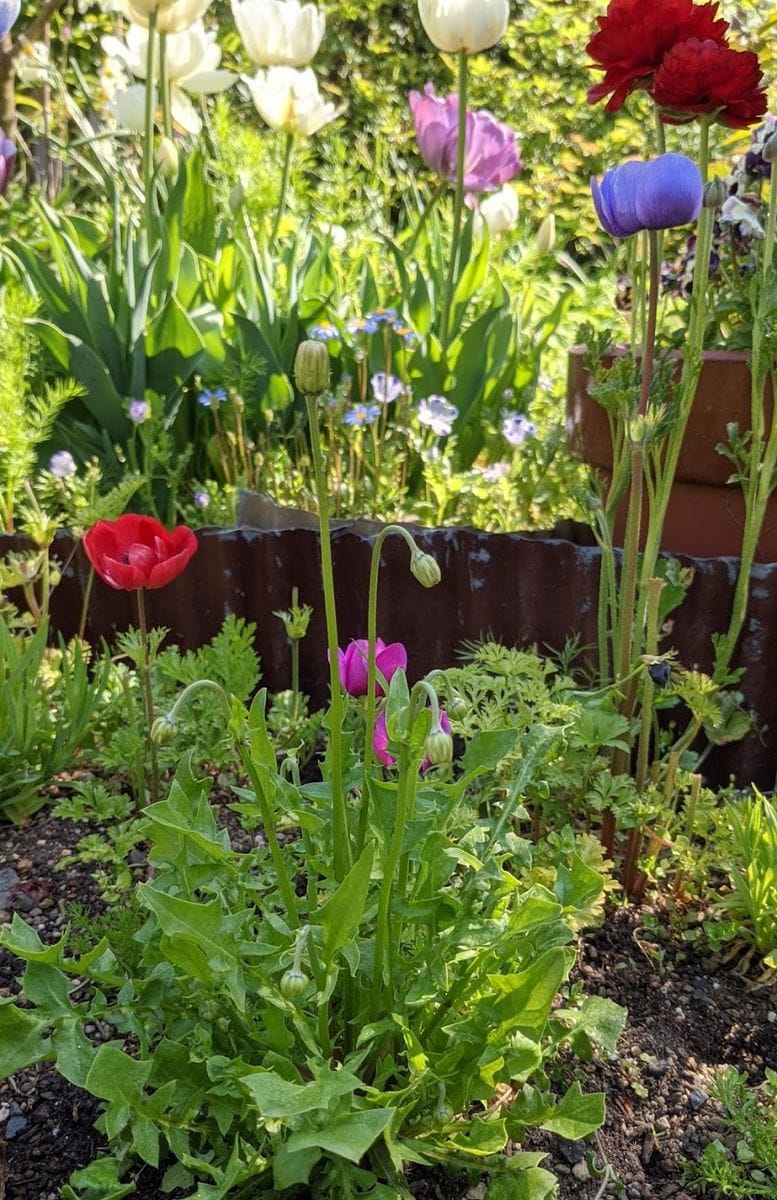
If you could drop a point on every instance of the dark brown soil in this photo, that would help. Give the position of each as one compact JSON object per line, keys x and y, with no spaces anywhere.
{"x":687,"y":1017}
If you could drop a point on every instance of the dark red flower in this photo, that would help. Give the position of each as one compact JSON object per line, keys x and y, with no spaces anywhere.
{"x":137,"y":552}
{"x":634,"y":36}
{"x":704,"y":77}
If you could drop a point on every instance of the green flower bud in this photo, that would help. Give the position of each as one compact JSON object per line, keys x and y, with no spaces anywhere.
{"x":295,"y":620}
{"x":311,"y":368}
{"x":425,"y":568}
{"x":293,"y":983}
{"x":545,"y":239}
{"x":166,"y":158}
{"x":443,"y":1113}
{"x":457,"y":708}
{"x":163,"y":730}
{"x":715,"y":193}
{"x":439,"y":747}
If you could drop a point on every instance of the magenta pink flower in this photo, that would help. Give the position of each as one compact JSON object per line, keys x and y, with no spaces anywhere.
{"x":380,"y":740}
{"x":352,"y":664}
{"x":491,"y":156}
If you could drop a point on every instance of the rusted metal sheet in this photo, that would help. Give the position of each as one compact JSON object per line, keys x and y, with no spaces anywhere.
{"x":522,"y":589}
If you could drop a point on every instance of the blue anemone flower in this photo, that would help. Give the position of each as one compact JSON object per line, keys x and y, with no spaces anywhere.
{"x":660,"y":194}
{"x":361,"y":415}
{"x":210,"y":399}
{"x":9,"y":11}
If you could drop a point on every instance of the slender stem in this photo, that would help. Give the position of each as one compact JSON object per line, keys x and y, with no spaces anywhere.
{"x":372,"y":639}
{"x":268,"y":820}
{"x":648,"y":687}
{"x":458,"y":200}
{"x":148,"y":695}
{"x":288,"y":154}
{"x":148,"y":143}
{"x":164,"y":87}
{"x":85,"y":605}
{"x":692,"y":360}
{"x":342,"y":841}
{"x":295,"y":659}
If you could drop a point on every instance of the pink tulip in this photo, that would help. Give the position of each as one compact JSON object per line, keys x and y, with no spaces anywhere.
{"x":352,"y":664}
{"x":491,"y":156}
{"x":380,"y":740}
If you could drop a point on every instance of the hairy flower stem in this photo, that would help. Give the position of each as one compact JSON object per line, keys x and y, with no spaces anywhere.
{"x":148,"y":142}
{"x":148,"y":695}
{"x":409,"y":763}
{"x":288,"y":155}
{"x":692,"y":360}
{"x":762,"y":461}
{"x":340,"y":832}
{"x":626,"y":625}
{"x":372,"y":638}
{"x":458,"y":201}
{"x":634,"y":840}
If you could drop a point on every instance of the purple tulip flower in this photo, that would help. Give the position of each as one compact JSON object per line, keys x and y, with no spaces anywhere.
{"x":7,"y":159}
{"x":380,"y":740}
{"x":9,"y":11}
{"x":660,"y":194}
{"x":352,"y":664}
{"x":491,"y":151}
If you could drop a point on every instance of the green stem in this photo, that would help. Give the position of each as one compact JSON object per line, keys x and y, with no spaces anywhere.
{"x":761,"y":463}
{"x":428,"y":210}
{"x":342,"y":841}
{"x":692,"y":360}
{"x":648,"y":687}
{"x":85,"y":605}
{"x":268,"y":820}
{"x":288,"y":154}
{"x":458,"y":200}
{"x":148,"y":695}
{"x":372,"y":639}
{"x":164,"y":87}
{"x":148,"y":143}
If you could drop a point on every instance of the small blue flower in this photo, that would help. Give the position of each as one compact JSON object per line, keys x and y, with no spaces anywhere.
{"x":660,"y":194}
{"x":9,"y":11}
{"x":210,"y":399}
{"x":408,"y":335}
{"x":382,"y":316}
{"x":139,"y":411}
{"x":361,"y":415}
{"x":516,"y":428}
{"x":324,"y":331}
{"x":62,"y":464}
{"x":201,"y":499}
{"x":362,"y":325}
{"x":438,"y":414}
{"x":386,"y":388}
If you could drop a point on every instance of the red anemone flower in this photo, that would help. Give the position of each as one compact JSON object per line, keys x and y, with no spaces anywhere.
{"x":699,"y":77}
{"x":634,"y":36}
{"x":136,"y":552}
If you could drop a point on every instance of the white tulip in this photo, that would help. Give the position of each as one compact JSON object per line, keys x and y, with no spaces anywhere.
{"x":172,"y":16}
{"x":129,"y":108}
{"x":500,"y":210}
{"x":288,"y":99}
{"x":279,"y":32}
{"x":469,"y":25}
{"x":192,"y":60}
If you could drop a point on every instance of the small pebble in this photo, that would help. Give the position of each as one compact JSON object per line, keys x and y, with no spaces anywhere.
{"x":697,"y":1099}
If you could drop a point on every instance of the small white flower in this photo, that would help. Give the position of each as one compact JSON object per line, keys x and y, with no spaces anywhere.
{"x":33,"y":64}
{"x":62,"y":464}
{"x":437,"y":414}
{"x":516,"y":428}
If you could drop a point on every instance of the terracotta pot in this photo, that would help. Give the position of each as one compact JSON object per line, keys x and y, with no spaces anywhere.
{"x":706,"y":513}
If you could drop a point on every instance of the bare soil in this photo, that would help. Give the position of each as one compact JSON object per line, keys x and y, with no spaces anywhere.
{"x":687,"y":1017}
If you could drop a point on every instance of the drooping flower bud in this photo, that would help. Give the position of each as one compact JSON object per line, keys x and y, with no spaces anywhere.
{"x":425,"y":568}
{"x":311,"y":368}
{"x":457,"y":708}
{"x":163,"y":730}
{"x":293,"y":983}
{"x":439,"y":747}
{"x":715,"y":193}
